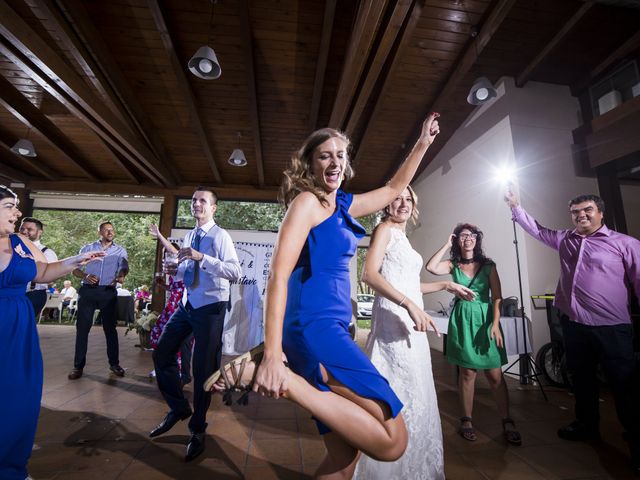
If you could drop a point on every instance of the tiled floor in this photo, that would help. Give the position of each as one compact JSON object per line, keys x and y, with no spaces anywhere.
{"x":96,"y":428}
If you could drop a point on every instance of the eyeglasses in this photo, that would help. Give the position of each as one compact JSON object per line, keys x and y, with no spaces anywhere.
{"x":465,"y":236}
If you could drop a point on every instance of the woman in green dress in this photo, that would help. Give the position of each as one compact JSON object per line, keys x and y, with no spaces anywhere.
{"x":474,"y":340}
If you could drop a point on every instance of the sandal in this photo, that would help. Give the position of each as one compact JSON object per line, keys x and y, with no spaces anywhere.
{"x":511,"y":436}
{"x":234,"y":382}
{"x":468,"y":433}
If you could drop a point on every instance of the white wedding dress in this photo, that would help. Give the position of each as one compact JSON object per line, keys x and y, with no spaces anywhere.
{"x":402,"y":356}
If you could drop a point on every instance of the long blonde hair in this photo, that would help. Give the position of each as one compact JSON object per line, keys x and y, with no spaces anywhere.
{"x":414,"y":210}
{"x":299,"y":176}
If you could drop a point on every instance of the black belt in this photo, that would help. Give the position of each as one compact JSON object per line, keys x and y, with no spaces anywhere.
{"x":104,"y":287}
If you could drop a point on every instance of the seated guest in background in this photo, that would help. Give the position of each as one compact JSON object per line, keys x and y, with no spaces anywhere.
{"x":143,"y":296}
{"x":32,"y":228}
{"x":67,"y":294}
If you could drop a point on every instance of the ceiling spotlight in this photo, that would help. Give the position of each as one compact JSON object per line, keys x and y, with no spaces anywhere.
{"x":237,"y":158}
{"x":204,"y":64}
{"x":24,"y":147}
{"x":481,"y":91}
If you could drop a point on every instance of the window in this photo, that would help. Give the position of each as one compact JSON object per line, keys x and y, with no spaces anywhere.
{"x":234,"y":215}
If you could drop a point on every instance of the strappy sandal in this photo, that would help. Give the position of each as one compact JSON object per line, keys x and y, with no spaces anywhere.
{"x":234,"y":383}
{"x":468,"y":433}
{"x":512,"y":437}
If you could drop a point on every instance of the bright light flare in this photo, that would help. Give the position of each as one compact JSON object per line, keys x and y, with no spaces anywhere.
{"x":505,"y":174}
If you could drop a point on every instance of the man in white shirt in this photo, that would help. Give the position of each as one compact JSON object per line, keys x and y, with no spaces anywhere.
{"x":32,"y":228}
{"x":208,"y":263}
{"x":68,"y":293}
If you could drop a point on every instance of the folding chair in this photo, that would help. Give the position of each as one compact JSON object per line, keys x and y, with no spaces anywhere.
{"x":53,"y":301}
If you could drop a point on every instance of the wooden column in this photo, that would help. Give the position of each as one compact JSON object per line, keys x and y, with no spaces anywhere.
{"x":167,"y":220}
{"x":25,"y":203}
{"x":609,"y":186}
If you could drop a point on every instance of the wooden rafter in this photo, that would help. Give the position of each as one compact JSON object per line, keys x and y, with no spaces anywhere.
{"x":321,"y":65}
{"x":622,"y":51}
{"x":405,"y":36}
{"x":120,"y":161}
{"x":104,"y":67}
{"x":36,"y":58}
{"x":27,"y":113}
{"x":8,"y":140}
{"x":9,"y":172}
{"x":183,"y":84}
{"x":523,"y":77}
{"x":247,"y":43}
{"x":360,"y":45}
{"x":400,"y":12}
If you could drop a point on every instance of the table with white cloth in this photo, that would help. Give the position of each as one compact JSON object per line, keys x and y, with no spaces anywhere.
{"x":511,"y":329}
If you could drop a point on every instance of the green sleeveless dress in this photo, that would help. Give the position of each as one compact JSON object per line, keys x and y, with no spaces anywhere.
{"x":468,"y":341}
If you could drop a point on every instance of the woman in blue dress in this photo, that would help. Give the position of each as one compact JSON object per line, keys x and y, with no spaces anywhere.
{"x":20,"y":360}
{"x":308,"y":306}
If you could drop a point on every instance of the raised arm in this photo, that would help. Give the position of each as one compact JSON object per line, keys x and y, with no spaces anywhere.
{"x":549,"y":237}
{"x":366,"y":203}
{"x":154,"y":231}
{"x":436,"y":265}
{"x":301,"y":216}
{"x":456,"y":289}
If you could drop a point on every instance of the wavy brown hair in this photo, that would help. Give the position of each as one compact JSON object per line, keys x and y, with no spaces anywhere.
{"x":414,"y":210}
{"x":299,"y":176}
{"x":456,"y":251}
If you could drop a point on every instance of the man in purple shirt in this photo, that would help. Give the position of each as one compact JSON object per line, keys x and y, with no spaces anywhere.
{"x":599,"y":269}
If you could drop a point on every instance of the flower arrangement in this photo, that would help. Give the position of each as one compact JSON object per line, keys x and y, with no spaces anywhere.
{"x":144,"y":323}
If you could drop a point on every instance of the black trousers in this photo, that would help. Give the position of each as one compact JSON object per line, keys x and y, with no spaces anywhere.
{"x":206,"y":323}
{"x":38,"y":299}
{"x":90,"y":299}
{"x":612,"y":347}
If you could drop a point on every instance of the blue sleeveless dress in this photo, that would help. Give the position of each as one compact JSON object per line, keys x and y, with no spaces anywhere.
{"x":318,"y":312}
{"x":20,"y":365}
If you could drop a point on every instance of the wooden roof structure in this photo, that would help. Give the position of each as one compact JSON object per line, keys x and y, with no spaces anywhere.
{"x":102,"y":89}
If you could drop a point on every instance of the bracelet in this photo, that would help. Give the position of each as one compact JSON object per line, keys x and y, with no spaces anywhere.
{"x":402,"y":301}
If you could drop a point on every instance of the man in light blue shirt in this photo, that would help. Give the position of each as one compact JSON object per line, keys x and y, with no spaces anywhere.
{"x":98,"y":291}
{"x":207,"y":263}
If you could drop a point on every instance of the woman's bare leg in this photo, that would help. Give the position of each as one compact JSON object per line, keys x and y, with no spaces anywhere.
{"x":466,"y":390}
{"x":341,"y":459}
{"x":499,"y":390}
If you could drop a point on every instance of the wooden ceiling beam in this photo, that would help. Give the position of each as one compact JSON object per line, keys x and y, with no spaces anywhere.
{"x":40,"y":61}
{"x":28,"y":114}
{"x":526,"y":73}
{"x":473,"y":51}
{"x":91,"y":48}
{"x":364,"y":33}
{"x":227,"y":192}
{"x":247,"y":43}
{"x":321,"y":65}
{"x":404,"y":41}
{"x":179,"y":68}
{"x":9,"y":172}
{"x":120,"y":161}
{"x":8,"y":141}
{"x":400,"y":12}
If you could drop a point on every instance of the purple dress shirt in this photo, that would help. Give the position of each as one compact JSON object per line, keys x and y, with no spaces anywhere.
{"x":596,"y":271}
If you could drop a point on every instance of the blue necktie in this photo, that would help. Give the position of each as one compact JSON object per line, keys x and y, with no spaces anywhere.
{"x":190,"y":272}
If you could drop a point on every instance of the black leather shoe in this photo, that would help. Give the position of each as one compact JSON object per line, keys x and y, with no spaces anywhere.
{"x":75,"y":374}
{"x":576,"y":432}
{"x":195,"y":446}
{"x":169,"y":421}
{"x":117,"y":370}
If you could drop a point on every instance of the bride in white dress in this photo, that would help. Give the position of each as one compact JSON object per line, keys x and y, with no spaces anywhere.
{"x":398,"y":351}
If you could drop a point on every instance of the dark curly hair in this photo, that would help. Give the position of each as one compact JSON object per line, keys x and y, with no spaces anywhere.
{"x":478,"y":254}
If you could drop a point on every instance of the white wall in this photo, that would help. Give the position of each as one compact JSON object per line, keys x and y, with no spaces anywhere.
{"x":531,"y":129}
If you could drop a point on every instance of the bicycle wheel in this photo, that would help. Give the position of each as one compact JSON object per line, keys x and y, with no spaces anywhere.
{"x":549,"y":359}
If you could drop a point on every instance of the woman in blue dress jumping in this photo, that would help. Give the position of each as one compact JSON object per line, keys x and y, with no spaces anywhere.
{"x":308,"y":306}
{"x":20,"y":359}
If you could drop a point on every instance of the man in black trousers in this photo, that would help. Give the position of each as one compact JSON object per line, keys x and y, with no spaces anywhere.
{"x":208,"y":262}
{"x":98,"y":291}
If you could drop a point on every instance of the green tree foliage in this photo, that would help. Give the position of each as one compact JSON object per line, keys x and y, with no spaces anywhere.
{"x":65,"y":231}
{"x":237,"y":215}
